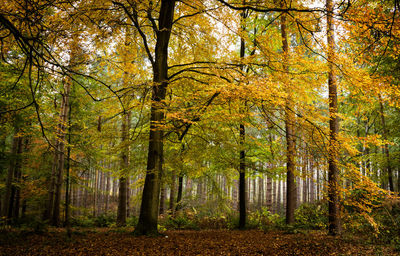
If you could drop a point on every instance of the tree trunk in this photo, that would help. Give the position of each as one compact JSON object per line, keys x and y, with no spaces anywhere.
{"x":270,"y":195}
{"x":333,"y":153}
{"x":172,"y":192}
{"x":67,"y":185}
{"x":290,"y":139}
{"x":12,"y":193}
{"x":123,"y":179}
{"x":242,"y":153}
{"x":386,"y":147}
{"x":107,"y":199}
{"x":61,"y":153}
{"x":148,"y":217}
{"x":180,"y":190}
{"x":260,"y":197}
{"x":162,"y":198}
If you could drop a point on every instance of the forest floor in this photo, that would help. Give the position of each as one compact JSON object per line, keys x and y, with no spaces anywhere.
{"x":185,"y":242}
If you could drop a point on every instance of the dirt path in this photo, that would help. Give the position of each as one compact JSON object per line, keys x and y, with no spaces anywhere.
{"x":208,"y":242}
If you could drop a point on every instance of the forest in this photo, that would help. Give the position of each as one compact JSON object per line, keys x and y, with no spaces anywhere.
{"x":199,"y":127}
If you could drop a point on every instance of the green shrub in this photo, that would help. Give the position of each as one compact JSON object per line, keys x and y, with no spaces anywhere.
{"x":180,"y":221}
{"x":104,"y":220}
{"x":312,"y":216}
{"x":132,"y":221}
{"x":82,"y":221}
{"x":37,"y":225}
{"x":388,"y":219}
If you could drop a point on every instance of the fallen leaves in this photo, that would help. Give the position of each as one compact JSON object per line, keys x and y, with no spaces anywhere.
{"x":205,"y":242}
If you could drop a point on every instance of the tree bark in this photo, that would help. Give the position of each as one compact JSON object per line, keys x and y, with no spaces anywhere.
{"x":122,"y":193}
{"x":148,"y":217}
{"x":290,"y":139}
{"x":242,"y":153}
{"x":61,"y":154}
{"x":333,"y":151}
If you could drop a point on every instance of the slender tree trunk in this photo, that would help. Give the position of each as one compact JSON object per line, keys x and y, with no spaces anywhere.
{"x":61,"y":153}
{"x":107,"y":199}
{"x":122,"y":195}
{"x":148,"y":217}
{"x":172,"y":192}
{"x":242,"y":138}
{"x":180,"y":190}
{"x":50,"y":198}
{"x":289,"y":119}
{"x":162,"y":198}
{"x":312,"y":183}
{"x":8,"y":200}
{"x":128,"y":198}
{"x":333,"y":154}
{"x":95,"y":190}
{"x":279,"y":196}
{"x":188,"y":189}
{"x":180,"y":180}
{"x":270,"y":194}
{"x":260,"y":198}
{"x":67,"y":185}
{"x":386,"y":147}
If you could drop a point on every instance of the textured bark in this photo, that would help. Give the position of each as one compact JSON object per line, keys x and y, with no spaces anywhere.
{"x":60,"y":152}
{"x":148,"y":217}
{"x":242,"y":153}
{"x":290,"y":139}
{"x":333,"y":153}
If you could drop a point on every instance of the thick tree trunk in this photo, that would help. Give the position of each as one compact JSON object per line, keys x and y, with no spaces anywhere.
{"x":148,"y":217}
{"x":333,"y":153}
{"x":290,"y":139}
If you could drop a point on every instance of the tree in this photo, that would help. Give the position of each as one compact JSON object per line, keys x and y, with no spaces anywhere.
{"x":289,"y":120}
{"x":333,"y":150}
{"x":242,"y":139}
{"x":148,"y":217}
